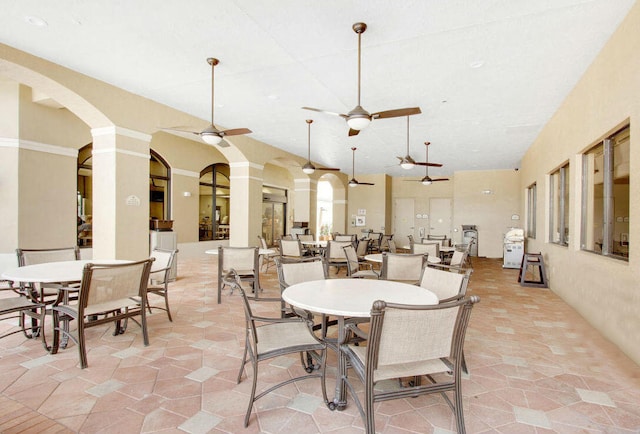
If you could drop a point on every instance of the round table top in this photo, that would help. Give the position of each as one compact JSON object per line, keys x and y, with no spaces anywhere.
{"x":353,"y":297}
{"x":377,"y":257}
{"x":52,"y":272}
{"x":260,"y":252}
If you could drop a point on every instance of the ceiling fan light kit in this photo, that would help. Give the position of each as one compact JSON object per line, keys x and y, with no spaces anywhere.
{"x":211,"y":135}
{"x":359,"y":118}
{"x":308,"y":169}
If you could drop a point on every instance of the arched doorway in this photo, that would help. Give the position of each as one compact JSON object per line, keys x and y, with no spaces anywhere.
{"x":215,"y":189}
{"x":159,"y":189}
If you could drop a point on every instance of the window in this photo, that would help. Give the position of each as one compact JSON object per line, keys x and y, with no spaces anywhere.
{"x":215,"y":189}
{"x":559,"y":206}
{"x":159,"y":187}
{"x":532,"y":195}
{"x":605,"y":196}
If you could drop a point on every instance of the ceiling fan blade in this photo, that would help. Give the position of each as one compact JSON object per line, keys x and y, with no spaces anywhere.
{"x":335,"y":169}
{"x":324,"y":111}
{"x":181,"y":130}
{"x":396,"y":113}
{"x":365,"y":183}
{"x":422,"y":163}
{"x":353,"y":132}
{"x":236,"y":132}
{"x":439,"y":179}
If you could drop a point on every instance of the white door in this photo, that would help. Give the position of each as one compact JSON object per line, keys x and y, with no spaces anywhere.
{"x":440,"y":216}
{"x":403,"y":220}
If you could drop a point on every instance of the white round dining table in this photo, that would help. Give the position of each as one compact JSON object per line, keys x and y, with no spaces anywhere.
{"x":53,"y":272}
{"x":351,"y":298}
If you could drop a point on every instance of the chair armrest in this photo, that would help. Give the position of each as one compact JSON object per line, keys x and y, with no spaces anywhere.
{"x":353,"y":329}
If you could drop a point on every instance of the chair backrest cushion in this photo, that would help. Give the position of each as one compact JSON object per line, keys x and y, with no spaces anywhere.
{"x":111,"y":286}
{"x":305,"y":237}
{"x":363,"y":247}
{"x":458,"y":258}
{"x":290,"y":273}
{"x":41,"y":256}
{"x":413,"y":335}
{"x":242,"y":259}
{"x":352,"y":258}
{"x":402,"y":266}
{"x":335,"y":249}
{"x":290,"y":248}
{"x":164,"y":260}
{"x":443,"y":284}
{"x":433,"y":249}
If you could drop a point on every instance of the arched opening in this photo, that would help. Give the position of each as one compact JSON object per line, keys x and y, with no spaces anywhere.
{"x":324,"y":224}
{"x":215,"y":189}
{"x":159,"y":189}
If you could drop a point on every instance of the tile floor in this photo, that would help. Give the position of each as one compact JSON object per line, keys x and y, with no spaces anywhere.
{"x":535,"y":367}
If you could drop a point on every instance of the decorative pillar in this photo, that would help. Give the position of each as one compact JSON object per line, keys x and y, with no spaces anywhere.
{"x":245,"y":220}
{"x":120,"y":193}
{"x":306,"y":199}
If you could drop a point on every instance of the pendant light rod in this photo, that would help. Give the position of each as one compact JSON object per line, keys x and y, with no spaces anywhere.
{"x":309,"y":122}
{"x":353,"y":163}
{"x":359,"y":28}
{"x":213,"y":62}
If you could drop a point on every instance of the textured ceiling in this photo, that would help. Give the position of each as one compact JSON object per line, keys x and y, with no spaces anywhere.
{"x":487,"y":74}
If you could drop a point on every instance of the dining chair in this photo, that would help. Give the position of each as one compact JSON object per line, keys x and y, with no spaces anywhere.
{"x":159,"y":277}
{"x":449,"y":284}
{"x":18,"y":306}
{"x":376,"y":240}
{"x":362,"y":248}
{"x":291,"y":249}
{"x":108,"y":293}
{"x":432,"y":249}
{"x":275,"y":337}
{"x":357,"y":269}
{"x":402,"y":267}
{"x":344,"y":237}
{"x":45,"y":293}
{"x":423,"y":342}
{"x":267,"y":259}
{"x":305,"y":237}
{"x":392,"y":246}
{"x":246,"y":262}
{"x":459,"y":259}
{"x":445,"y":281}
{"x":291,"y":272}
{"x":384,"y":242}
{"x":334,"y":254}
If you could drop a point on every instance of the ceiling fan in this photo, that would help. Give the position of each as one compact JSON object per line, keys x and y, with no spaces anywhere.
{"x":407,"y":162}
{"x":359,"y":118}
{"x":211,"y":134}
{"x":427,"y":180}
{"x":308,"y":167}
{"x":353,"y":182}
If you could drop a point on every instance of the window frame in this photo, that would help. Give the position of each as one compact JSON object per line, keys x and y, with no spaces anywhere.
{"x":532,"y":199}
{"x":563,"y":202}
{"x":608,"y":206}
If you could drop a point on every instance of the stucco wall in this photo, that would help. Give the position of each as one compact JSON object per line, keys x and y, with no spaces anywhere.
{"x":603,"y":290}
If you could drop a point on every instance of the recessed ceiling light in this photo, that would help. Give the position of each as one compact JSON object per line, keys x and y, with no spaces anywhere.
{"x":35,"y":21}
{"x":476,"y":64}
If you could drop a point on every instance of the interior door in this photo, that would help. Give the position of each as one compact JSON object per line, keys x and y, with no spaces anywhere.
{"x":440,"y":216}
{"x":403,"y":220}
